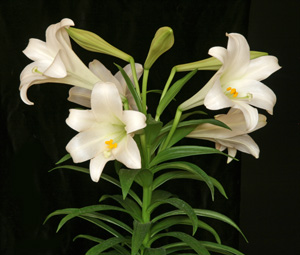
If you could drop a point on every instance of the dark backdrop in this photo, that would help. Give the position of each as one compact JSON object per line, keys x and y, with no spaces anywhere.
{"x":33,"y":137}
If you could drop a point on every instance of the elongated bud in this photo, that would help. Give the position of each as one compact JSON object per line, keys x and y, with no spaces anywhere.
{"x":92,"y":42}
{"x":162,"y":41}
{"x":211,"y":63}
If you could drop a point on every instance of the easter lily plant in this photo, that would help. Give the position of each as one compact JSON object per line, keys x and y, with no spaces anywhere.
{"x":113,"y":124}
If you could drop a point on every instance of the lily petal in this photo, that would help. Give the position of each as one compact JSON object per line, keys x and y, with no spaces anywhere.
{"x":80,"y":96}
{"x":134,"y":121}
{"x":106,"y":102}
{"x":261,"y":68}
{"x":80,"y":120}
{"x":250,"y":114}
{"x":97,"y":165}
{"x":87,"y":144}
{"x":128,"y":153}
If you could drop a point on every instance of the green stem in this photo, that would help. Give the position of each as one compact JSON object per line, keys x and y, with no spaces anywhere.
{"x":144,"y":90}
{"x":171,"y":76}
{"x":135,"y":79}
{"x":146,"y":215}
{"x":173,"y":129}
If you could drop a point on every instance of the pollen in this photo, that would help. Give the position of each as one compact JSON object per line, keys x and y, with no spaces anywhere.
{"x":232,"y":91}
{"x":111,"y":145}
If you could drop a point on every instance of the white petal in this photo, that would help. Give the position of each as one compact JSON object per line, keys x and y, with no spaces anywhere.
{"x":80,"y":120}
{"x":57,"y":68}
{"x":80,"y":96}
{"x":36,"y":50}
{"x":97,"y":165}
{"x":133,"y":120}
{"x":216,"y":99}
{"x":104,"y":74}
{"x":261,"y":68}
{"x":250,"y":113}
{"x":262,"y":96}
{"x":232,"y":153}
{"x":87,"y":144}
{"x":128,"y":153}
{"x":218,"y":52}
{"x":243,"y":143}
{"x":238,"y":57}
{"x":51,"y":40}
{"x":106,"y":103}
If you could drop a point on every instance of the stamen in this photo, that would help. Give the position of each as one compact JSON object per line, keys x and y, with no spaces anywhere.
{"x":235,"y":94}
{"x":111,"y":145}
{"x":233,"y":91}
{"x":36,"y":70}
{"x":229,"y":88}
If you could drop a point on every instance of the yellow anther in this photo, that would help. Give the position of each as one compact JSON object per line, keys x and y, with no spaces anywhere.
{"x":233,"y":91}
{"x":229,"y":88}
{"x":111,"y":144}
{"x":235,"y":94}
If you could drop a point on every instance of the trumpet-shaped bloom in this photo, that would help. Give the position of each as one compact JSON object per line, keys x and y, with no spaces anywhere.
{"x":54,"y":61}
{"x":82,"y":96}
{"x":237,"y":83}
{"x":234,"y":139}
{"x":105,"y":132}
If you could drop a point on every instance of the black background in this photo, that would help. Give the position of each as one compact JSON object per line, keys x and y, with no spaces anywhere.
{"x":264,"y":194}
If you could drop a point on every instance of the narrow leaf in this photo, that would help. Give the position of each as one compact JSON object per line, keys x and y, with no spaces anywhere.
{"x":131,"y":88}
{"x":182,"y":205}
{"x":192,"y":168}
{"x":63,"y":159}
{"x":109,"y":243}
{"x":219,"y":248}
{"x":173,"y":91}
{"x":127,"y":177}
{"x":155,"y":251}
{"x":183,"y":151}
{"x":189,"y":240}
{"x":140,"y":230}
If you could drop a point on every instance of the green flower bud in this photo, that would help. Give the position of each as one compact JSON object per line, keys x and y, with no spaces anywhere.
{"x":211,"y":63}
{"x":162,"y":41}
{"x":95,"y":43}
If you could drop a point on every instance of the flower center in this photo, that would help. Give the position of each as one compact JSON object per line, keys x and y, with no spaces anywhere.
{"x":232,"y":91}
{"x":110,"y":145}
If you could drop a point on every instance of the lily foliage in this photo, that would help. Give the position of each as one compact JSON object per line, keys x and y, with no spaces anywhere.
{"x":115,"y":124}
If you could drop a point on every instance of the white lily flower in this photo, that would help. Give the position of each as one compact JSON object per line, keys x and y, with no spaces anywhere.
{"x":54,"y":61}
{"x":82,"y":96}
{"x":235,"y":139}
{"x":237,"y":83}
{"x":105,"y":132}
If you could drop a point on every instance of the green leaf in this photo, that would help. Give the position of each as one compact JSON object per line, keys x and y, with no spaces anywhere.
{"x":63,"y":159}
{"x":189,"y":240}
{"x":173,"y":91}
{"x":102,"y":225}
{"x":152,"y":129}
{"x":181,"y":220}
{"x":83,"y":210}
{"x":155,"y":251}
{"x":202,"y":213}
{"x":121,"y":250}
{"x":183,"y":151}
{"x":219,"y":248}
{"x":144,"y":178}
{"x":127,"y":177}
{"x":192,"y":168}
{"x":180,"y":204}
{"x":159,"y":195}
{"x":88,"y":237}
{"x":103,"y":177}
{"x":75,"y":168}
{"x":129,"y":205}
{"x":140,"y":231}
{"x":131,"y":88}
{"x":110,"y":220}
{"x":109,"y":243}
